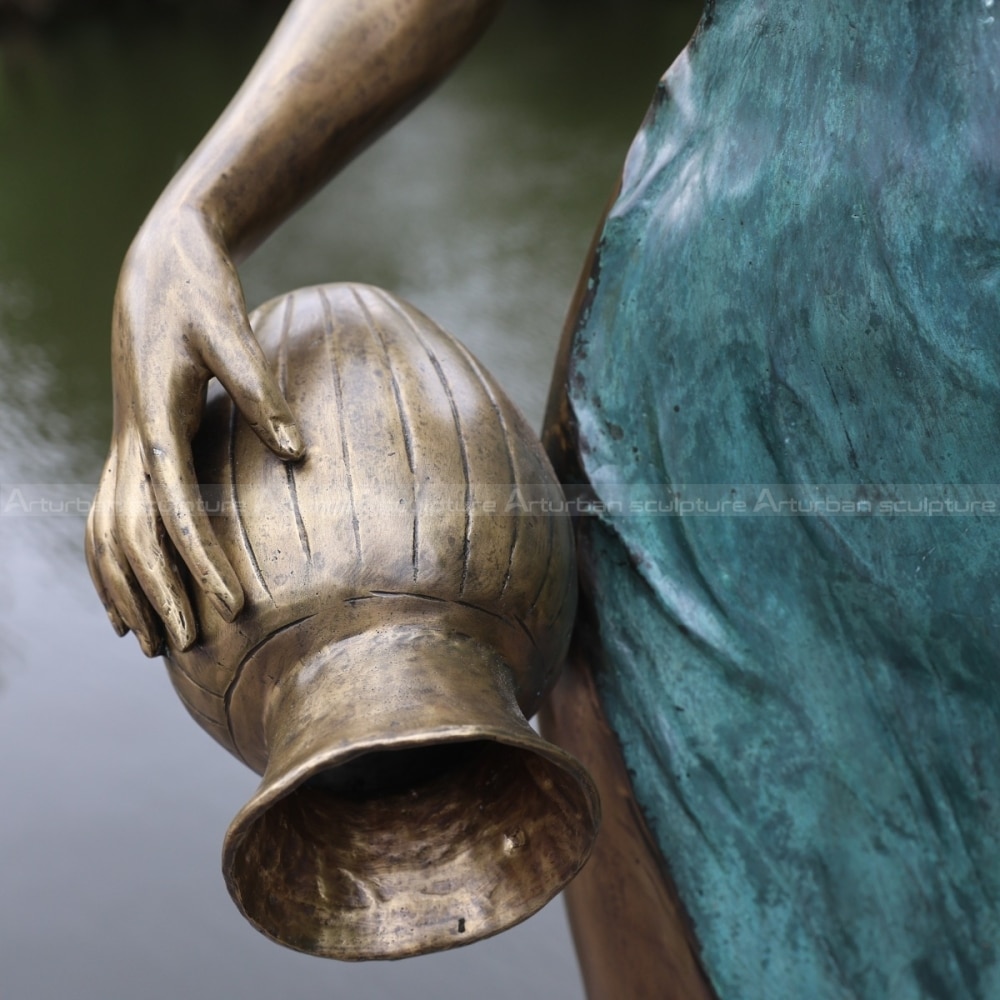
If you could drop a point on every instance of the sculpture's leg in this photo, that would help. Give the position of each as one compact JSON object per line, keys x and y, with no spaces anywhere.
{"x":631,"y":934}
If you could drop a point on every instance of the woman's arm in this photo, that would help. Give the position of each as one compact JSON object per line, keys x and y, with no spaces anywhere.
{"x":333,"y":76}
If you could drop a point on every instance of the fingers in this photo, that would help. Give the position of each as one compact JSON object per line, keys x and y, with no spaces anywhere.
{"x":239,"y":363}
{"x":149,"y":553}
{"x":166,"y":455}
{"x":95,"y":551}
{"x":123,"y":598}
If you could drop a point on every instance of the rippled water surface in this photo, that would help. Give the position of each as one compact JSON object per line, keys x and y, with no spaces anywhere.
{"x":479,"y":207}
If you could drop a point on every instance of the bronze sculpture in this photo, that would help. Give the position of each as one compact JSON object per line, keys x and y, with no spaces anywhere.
{"x":332,"y":76}
{"x":795,"y":285}
{"x":401,"y":613}
{"x":322,"y":89}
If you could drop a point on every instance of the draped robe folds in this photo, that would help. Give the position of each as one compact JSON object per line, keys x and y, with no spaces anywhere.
{"x":794,"y":308}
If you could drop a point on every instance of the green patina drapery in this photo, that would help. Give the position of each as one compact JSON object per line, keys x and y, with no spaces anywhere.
{"x":797,"y":289}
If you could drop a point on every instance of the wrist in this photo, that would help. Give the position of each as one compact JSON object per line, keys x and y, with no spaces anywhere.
{"x":174,"y":219}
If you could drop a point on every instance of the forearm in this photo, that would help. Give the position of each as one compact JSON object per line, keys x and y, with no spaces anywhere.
{"x":335,"y":73}
{"x":333,"y":76}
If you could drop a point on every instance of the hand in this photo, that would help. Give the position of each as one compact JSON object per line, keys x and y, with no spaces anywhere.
{"x":179,"y":319}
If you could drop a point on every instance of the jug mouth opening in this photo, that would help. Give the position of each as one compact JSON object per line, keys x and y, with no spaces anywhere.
{"x":406,"y":805}
{"x":403,"y":850}
{"x":396,"y":770}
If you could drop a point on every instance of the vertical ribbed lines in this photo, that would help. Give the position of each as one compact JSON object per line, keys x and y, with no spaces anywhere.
{"x":231,"y":462}
{"x":293,"y":492}
{"x":550,"y":521}
{"x":477,"y":372}
{"x":456,"y":419}
{"x":404,"y":423}
{"x":338,"y":390}
{"x":569,"y":593}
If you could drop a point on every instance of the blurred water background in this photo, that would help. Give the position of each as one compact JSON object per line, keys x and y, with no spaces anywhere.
{"x":479,"y":208}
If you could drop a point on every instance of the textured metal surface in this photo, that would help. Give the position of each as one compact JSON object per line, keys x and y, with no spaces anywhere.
{"x":328,"y":527}
{"x":408,"y":603}
{"x":797,"y":286}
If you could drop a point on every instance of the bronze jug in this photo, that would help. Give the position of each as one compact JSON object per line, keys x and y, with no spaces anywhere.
{"x":410,"y":590}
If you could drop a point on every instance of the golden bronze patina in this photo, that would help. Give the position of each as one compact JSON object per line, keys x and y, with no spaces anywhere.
{"x":333,"y":76}
{"x":409,"y":599}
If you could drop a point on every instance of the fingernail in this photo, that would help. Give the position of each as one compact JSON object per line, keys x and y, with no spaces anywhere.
{"x":116,"y":623}
{"x":288,"y":437}
{"x":146,"y":644}
{"x":226,"y":604}
{"x":182,"y":635}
